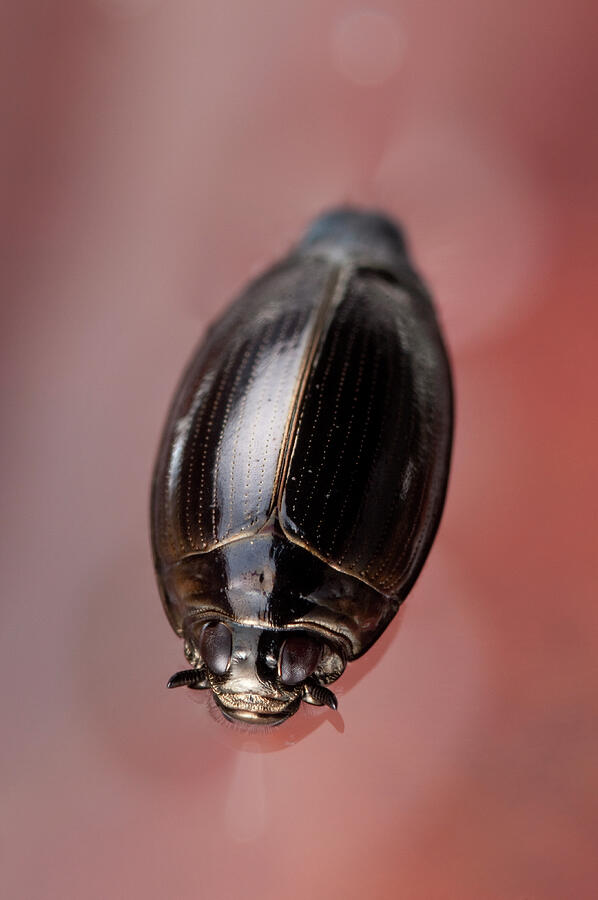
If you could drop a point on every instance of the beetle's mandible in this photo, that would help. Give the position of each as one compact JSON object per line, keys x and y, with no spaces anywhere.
{"x":302,"y":470}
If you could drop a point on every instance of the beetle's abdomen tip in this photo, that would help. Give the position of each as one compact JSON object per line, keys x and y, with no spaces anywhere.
{"x":364,"y":233}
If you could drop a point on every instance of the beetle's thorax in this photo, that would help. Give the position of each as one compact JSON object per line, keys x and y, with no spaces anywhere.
{"x":251,"y":577}
{"x":257,"y":593}
{"x":267,"y":581}
{"x":284,"y":623}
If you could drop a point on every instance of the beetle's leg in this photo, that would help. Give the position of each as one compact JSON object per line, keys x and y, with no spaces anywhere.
{"x":316,"y":693}
{"x":192,"y":678}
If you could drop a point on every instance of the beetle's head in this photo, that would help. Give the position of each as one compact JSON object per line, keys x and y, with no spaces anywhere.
{"x":260,"y":675}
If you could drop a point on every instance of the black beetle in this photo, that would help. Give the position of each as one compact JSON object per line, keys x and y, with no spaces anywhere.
{"x":302,"y":470}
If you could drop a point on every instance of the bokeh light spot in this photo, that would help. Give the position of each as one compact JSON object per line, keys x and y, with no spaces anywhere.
{"x":367,"y":47}
{"x":476,"y":221}
{"x":125,"y":9}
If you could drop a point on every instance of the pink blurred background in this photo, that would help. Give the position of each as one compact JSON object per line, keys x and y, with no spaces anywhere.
{"x":155,"y":155}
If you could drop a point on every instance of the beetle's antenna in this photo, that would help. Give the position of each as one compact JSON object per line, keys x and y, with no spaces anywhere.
{"x":192,"y":678}
{"x":319,"y":694}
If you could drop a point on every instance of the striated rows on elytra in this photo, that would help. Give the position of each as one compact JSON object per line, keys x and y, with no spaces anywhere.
{"x":231,"y":400}
{"x":369,"y":352}
{"x":224,"y":439}
{"x":326,"y":456}
{"x":346,"y":395}
{"x":278,"y":384}
{"x":168,"y":522}
{"x":371,"y":447}
{"x":253,"y":442}
{"x":422,"y":466}
{"x":390,"y":555}
{"x":200,"y":516}
{"x":362,"y":453}
{"x":306,"y":460}
{"x":348,"y":493}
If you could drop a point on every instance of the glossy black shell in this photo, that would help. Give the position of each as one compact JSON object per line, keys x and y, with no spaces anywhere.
{"x":316,"y":415}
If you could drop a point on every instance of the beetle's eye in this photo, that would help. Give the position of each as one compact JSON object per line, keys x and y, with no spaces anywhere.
{"x":299,"y":657}
{"x":216,"y":646}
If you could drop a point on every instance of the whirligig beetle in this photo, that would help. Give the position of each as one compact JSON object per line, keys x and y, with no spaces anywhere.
{"x":302,"y":470}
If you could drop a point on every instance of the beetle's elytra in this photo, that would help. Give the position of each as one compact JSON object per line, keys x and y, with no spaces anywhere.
{"x":302,"y":470}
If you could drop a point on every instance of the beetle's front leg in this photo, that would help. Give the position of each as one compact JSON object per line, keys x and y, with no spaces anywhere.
{"x":197,"y":679}
{"x":318,"y":695}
